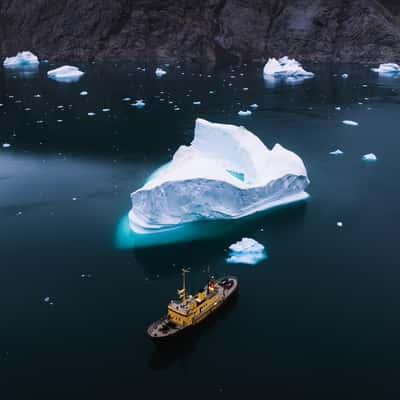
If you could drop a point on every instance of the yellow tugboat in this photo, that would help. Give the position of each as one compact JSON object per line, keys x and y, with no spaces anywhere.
{"x":189,"y":310}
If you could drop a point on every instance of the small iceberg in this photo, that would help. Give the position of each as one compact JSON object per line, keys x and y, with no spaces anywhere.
{"x":389,"y":68}
{"x":246,"y":251}
{"x":6,"y":145}
{"x":227,"y":173}
{"x":22,"y":59}
{"x":84,"y":93}
{"x":246,"y":113}
{"x":253,"y":106}
{"x":285,"y":68}
{"x":349,"y":122}
{"x":138,"y":104}
{"x":345,"y":76}
{"x":337,"y":152}
{"x":371,"y":157}
{"x":160,"y":72}
{"x":66,"y":74}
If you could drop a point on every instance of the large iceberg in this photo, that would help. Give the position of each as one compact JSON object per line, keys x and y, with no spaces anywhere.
{"x":66,"y":73}
{"x":284,"y":68}
{"x":226,"y":173}
{"x":389,"y":68}
{"x":22,"y":59}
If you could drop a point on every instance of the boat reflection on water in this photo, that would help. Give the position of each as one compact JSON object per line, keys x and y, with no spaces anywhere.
{"x":179,"y":349}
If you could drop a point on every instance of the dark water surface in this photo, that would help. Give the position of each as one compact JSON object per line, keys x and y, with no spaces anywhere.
{"x":319,"y":319}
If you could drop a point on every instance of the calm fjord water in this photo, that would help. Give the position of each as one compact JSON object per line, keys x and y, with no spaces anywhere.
{"x":319,"y":317}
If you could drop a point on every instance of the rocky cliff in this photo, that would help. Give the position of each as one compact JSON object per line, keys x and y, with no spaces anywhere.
{"x":362,"y":31}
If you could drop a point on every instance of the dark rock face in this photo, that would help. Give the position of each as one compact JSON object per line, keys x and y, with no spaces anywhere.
{"x":362,"y":31}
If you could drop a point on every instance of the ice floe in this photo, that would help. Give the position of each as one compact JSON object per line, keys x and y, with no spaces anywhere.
{"x":388,"y":68}
{"x":226,"y":173}
{"x":349,"y":122}
{"x":6,"y":145}
{"x":285,"y":68}
{"x":246,"y":113}
{"x":337,"y":152}
{"x":138,"y":104}
{"x":22,"y":59}
{"x":369,"y":157}
{"x":246,"y":251}
{"x":345,"y":76}
{"x":66,"y":73}
{"x":253,"y":106}
{"x":160,"y":72}
{"x":84,"y":93}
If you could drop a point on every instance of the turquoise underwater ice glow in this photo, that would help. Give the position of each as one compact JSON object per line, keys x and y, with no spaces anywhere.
{"x":126,"y":238}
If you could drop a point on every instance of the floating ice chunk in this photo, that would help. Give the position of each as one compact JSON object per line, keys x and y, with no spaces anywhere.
{"x":138,"y":104}
{"x":160,"y":72}
{"x":349,"y":122}
{"x":6,"y":145}
{"x":253,"y":106}
{"x":22,"y":59}
{"x":284,"y":68}
{"x":226,"y":173}
{"x":338,"y":108}
{"x":369,"y":157}
{"x":65,"y":73}
{"x":47,"y":299}
{"x":246,"y":251}
{"x":389,"y":68}
{"x":339,"y":224}
{"x":91,"y":114}
{"x":106,"y":109}
{"x":197,"y":103}
{"x":336,"y":152}
{"x":83,"y":93}
{"x":345,"y":76}
{"x":246,"y":113}
{"x":126,"y":99}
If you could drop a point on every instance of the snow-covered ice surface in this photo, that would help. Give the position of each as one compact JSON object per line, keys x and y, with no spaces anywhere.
{"x":246,"y":251}
{"x":285,"y":68}
{"x":389,"y":68}
{"x":22,"y":59}
{"x":66,"y":73}
{"x":371,"y":157}
{"x":226,"y":173}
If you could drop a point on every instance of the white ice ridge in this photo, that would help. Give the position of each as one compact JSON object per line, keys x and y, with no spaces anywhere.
{"x":65,"y":73}
{"x":246,"y":251}
{"x":388,"y":68}
{"x":285,"y":67}
{"x":226,"y":173}
{"x":22,"y":59}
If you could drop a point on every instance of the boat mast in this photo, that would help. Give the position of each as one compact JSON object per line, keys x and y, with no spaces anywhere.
{"x":182,"y":292}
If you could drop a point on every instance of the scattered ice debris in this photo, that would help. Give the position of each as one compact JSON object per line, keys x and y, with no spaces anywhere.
{"x":246,"y":251}
{"x":345,"y":76}
{"x":226,"y":173}
{"x":338,"y":108}
{"x":84,"y":93}
{"x":389,"y":68}
{"x":253,"y":106}
{"x":336,"y":152}
{"x":106,"y":109}
{"x":246,"y":113}
{"x":91,"y":114}
{"x":139,"y":104}
{"x":6,"y":145}
{"x":22,"y":59}
{"x":65,"y":73}
{"x":197,"y":103}
{"x":285,"y":67}
{"x":160,"y":72}
{"x":349,"y":122}
{"x":339,"y":224}
{"x":369,"y":157}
